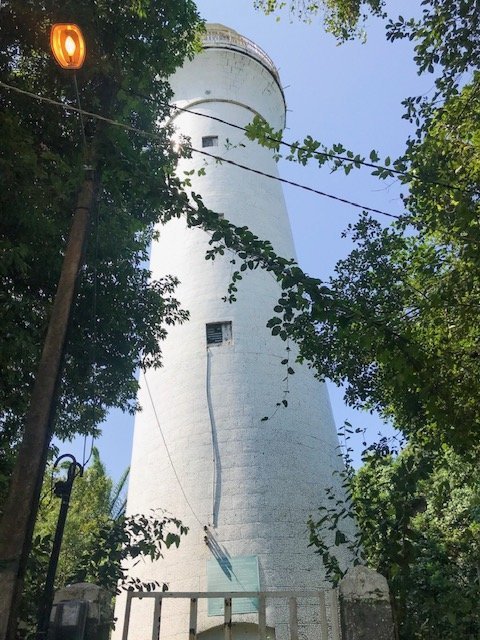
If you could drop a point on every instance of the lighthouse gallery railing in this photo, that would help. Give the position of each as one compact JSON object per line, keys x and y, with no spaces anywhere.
{"x":236,"y":41}
{"x":328,"y":611}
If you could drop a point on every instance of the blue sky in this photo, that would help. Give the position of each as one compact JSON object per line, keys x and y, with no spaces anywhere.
{"x":351,"y":94}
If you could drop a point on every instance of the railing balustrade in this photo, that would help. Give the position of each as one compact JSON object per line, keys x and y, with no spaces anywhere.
{"x":328,"y":611}
{"x":240,"y":42}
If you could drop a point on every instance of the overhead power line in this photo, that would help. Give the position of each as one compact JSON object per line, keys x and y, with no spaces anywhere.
{"x":168,"y":452}
{"x":289,"y":145}
{"x":292,"y":183}
{"x":298,"y":147}
{"x":153,"y":135}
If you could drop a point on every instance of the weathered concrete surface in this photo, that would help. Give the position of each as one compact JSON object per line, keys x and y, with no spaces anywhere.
{"x":70,"y":600}
{"x":365,"y":608}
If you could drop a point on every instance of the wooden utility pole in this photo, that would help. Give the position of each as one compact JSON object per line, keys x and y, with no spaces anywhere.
{"x":18,"y":520}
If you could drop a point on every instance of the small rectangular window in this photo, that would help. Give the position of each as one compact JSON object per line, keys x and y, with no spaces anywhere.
{"x":210,"y":141}
{"x":219,"y":333}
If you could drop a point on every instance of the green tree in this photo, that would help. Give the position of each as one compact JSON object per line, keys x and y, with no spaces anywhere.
{"x":90,"y":509}
{"x":121,"y":317}
{"x":98,"y":538}
{"x":340,"y":17}
{"x":132,"y":48}
{"x":418,"y":525}
{"x":420,"y":528}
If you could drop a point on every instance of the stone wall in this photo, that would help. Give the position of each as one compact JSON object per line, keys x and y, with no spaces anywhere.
{"x":81,"y":611}
{"x":365,"y":609}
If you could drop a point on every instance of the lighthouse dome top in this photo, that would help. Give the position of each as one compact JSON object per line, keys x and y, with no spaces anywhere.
{"x":218,"y":35}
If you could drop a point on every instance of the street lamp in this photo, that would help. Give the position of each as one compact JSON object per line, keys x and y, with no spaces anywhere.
{"x":69,"y":50}
{"x":63,"y":490}
{"x":68,"y":45}
{"x":21,"y":506}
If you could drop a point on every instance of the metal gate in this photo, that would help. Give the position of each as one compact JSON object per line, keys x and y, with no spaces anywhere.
{"x":328,"y":611}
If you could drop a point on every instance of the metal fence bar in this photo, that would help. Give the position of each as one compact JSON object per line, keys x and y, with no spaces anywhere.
{"x":293,"y":619}
{"x":228,"y":619}
{"x":223,"y":594}
{"x":192,"y":633}
{"x":323,"y":616}
{"x":157,"y":614}
{"x":128,"y":608}
{"x":262,"y":618}
{"x":335,"y":622}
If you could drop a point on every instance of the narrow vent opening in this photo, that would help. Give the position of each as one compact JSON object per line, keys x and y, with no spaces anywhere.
{"x":219,"y":333}
{"x":210,"y":141}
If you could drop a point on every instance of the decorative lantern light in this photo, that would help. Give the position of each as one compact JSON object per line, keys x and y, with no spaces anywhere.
{"x":68,"y":45}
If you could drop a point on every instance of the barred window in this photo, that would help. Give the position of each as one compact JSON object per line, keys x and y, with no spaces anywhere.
{"x":219,"y":333}
{"x":210,"y":141}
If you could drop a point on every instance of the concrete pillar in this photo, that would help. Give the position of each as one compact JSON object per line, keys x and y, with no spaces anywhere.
{"x":365,"y":609}
{"x":81,"y":612}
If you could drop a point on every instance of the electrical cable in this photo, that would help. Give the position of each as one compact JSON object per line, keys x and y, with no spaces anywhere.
{"x":82,"y":126}
{"x":152,"y":135}
{"x":94,"y":334}
{"x":215,"y":477}
{"x":48,"y":491}
{"x":93,"y":343}
{"x":85,"y":462}
{"x":294,"y":184}
{"x":168,"y":452}
{"x":289,"y":145}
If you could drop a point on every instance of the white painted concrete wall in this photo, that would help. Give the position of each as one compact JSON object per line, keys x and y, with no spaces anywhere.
{"x":263,"y":478}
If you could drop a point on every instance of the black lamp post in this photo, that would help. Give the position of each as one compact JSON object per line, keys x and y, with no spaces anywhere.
{"x":63,"y":490}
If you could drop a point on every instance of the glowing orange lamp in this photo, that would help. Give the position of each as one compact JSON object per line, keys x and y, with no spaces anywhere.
{"x":68,"y":45}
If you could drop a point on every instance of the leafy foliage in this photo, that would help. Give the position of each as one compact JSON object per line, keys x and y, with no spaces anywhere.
{"x":90,"y":506}
{"x":447,"y":38}
{"x":340,"y":17}
{"x":419,"y":526}
{"x":127,"y":540}
{"x":397,"y":322}
{"x":98,"y":543}
{"x":121,"y":316}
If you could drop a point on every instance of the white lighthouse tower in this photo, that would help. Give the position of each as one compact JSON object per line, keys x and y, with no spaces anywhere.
{"x":244,"y":487}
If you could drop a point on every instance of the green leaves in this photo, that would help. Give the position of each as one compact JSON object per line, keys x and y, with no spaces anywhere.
{"x":386,"y":321}
{"x":416,"y":526}
{"x":98,"y":541}
{"x":132,"y":48}
{"x":412,"y":543}
{"x":127,"y":538}
{"x":342,"y":18}
{"x":337,"y":157}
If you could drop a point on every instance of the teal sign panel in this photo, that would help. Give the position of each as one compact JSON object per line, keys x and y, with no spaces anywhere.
{"x":233,"y":574}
